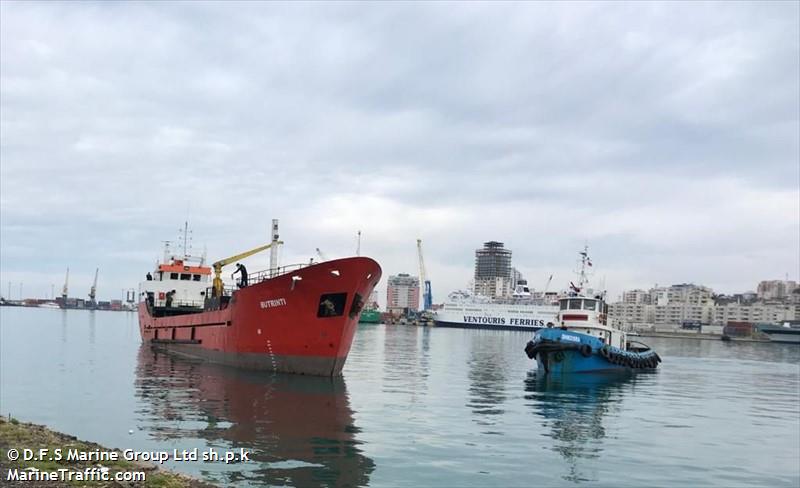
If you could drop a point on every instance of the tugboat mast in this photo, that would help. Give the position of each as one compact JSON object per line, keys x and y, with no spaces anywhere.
{"x":583,"y":278}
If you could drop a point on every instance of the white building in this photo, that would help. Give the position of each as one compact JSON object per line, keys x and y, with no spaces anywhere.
{"x":758,"y":312}
{"x":775,"y":289}
{"x":664,"y":307}
{"x":402,"y":292}
{"x":636,"y":297}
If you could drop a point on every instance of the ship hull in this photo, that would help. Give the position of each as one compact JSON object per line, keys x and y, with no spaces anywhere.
{"x":559,"y":351}
{"x":370,"y":317}
{"x":496,"y":316}
{"x":464,"y":325}
{"x":783,"y":334}
{"x":279,"y":324}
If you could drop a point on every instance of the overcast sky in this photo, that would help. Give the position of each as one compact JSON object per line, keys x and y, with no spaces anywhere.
{"x":666,"y":135}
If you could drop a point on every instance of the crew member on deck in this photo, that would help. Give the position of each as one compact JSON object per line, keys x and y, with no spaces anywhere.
{"x":149,"y":277}
{"x":241,"y":269}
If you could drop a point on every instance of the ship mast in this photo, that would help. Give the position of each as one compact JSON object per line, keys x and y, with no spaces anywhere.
{"x":585,"y":261}
{"x":583,"y":275}
{"x":273,"y":252}
{"x":186,"y":239}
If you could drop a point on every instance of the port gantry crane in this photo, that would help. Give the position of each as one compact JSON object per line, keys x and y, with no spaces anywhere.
{"x":65,"y":289}
{"x":547,"y":285}
{"x":93,"y":289}
{"x":427,"y":297}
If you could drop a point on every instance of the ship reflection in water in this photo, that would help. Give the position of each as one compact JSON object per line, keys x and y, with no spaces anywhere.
{"x":573,"y":408}
{"x":298,"y":429}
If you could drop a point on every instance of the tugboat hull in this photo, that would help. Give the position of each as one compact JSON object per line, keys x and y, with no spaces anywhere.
{"x":559,"y":351}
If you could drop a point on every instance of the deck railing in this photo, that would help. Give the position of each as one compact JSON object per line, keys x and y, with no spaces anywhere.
{"x":266,"y":274}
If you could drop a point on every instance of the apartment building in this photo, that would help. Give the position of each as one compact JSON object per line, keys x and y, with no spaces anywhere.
{"x":402,"y":292}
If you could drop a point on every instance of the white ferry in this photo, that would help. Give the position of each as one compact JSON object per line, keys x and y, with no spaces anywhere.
{"x":520,"y":312}
{"x":787,"y":331}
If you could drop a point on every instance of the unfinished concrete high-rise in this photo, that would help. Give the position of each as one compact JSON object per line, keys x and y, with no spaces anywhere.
{"x":493,"y":276}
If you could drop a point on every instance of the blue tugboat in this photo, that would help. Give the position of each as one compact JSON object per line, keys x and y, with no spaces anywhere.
{"x":582,"y":341}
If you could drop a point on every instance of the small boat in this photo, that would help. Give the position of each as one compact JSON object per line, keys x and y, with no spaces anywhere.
{"x":370,"y":316}
{"x":49,"y":305}
{"x":582,"y":341}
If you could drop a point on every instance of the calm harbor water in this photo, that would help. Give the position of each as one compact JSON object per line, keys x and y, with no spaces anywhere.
{"x":416,"y":407}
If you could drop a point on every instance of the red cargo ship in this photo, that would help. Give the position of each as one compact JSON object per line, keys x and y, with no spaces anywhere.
{"x":293,"y":319}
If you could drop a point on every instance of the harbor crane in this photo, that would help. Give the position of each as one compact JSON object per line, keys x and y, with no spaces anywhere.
{"x":93,"y":289}
{"x":427,"y":297}
{"x":65,"y":289}
{"x":217,"y":283}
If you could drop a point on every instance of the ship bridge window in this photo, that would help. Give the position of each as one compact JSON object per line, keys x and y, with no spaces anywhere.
{"x":564,"y":304}
{"x":331,"y":305}
{"x":173,"y":276}
{"x":196,"y":277}
{"x":186,"y":277}
{"x":589,"y":304}
{"x":574,"y":304}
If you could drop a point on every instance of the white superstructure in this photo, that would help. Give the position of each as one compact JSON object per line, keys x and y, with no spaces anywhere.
{"x":178,"y":281}
{"x":520,"y":312}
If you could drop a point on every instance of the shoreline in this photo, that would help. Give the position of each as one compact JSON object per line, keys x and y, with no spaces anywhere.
{"x":701,"y":337}
{"x":17,"y":435}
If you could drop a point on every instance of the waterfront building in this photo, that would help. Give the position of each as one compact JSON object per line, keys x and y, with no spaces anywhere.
{"x":664,"y":306}
{"x":690,"y":293}
{"x":759,"y":312}
{"x":670,"y":307}
{"x":631,"y":315}
{"x":402,"y":294}
{"x":493,"y":277}
{"x":659,"y":296}
{"x":775,"y":289}
{"x":516,"y":277}
{"x":745,"y":298}
{"x":636,"y":297}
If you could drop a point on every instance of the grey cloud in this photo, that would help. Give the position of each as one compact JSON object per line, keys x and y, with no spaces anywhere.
{"x":125,"y":118}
